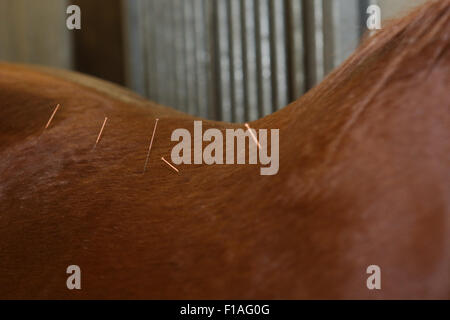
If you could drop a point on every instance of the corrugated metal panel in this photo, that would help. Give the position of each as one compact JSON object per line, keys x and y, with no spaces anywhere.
{"x":190,"y":58}
{"x":237,"y":71}
{"x":238,"y":60}
{"x":35,"y":32}
{"x":178,"y":50}
{"x":314,"y":41}
{"x":279,"y":54}
{"x":202,"y":56}
{"x":150,"y":44}
{"x":296,"y":51}
{"x":135,"y":73}
{"x":341,"y":31}
{"x":250,"y":62}
{"x":264,"y":57}
{"x":168,"y":35}
{"x":214,"y":97}
{"x":224,"y":71}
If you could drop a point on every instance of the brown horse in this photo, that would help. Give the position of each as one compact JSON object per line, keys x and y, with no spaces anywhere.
{"x":363,"y":180}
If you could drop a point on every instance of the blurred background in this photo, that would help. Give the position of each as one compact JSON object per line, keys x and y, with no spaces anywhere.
{"x":230,"y":60}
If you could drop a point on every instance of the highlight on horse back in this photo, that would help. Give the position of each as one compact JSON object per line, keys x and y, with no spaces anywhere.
{"x":213,"y":151}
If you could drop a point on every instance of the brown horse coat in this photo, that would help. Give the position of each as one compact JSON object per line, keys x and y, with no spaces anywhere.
{"x":364,"y":179}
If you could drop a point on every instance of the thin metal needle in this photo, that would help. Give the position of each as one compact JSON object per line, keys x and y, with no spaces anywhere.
{"x":253,"y":135}
{"x":51,"y":117}
{"x":150,"y":146}
{"x":101,"y":131}
{"x":169,"y":164}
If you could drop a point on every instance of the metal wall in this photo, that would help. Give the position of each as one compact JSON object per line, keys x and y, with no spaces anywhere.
{"x":232,"y":60}
{"x":35,"y":32}
{"x":237,"y":60}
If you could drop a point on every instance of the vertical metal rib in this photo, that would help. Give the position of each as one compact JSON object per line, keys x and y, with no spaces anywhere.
{"x":202,"y":57}
{"x":180,"y":53}
{"x":177,"y":45}
{"x":249,"y":61}
{"x":151,"y":50}
{"x":330,"y":33}
{"x":189,"y":40}
{"x":224,"y":61}
{"x":264,"y":57}
{"x":296,"y":50}
{"x":214,"y":95}
{"x":133,"y":46}
{"x":169,"y":34}
{"x":163,"y":51}
{"x":314,"y":42}
{"x":144,"y":24}
{"x":158,"y":48}
{"x":349,"y":29}
{"x":279,"y":50}
{"x":237,"y":71}
{"x":341,"y":31}
{"x":5,"y":33}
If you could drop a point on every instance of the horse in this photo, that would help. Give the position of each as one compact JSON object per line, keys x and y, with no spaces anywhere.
{"x":363,"y":181}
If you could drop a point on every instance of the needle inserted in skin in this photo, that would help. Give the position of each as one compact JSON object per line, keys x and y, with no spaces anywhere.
{"x":170,"y":165}
{"x":101,"y":131}
{"x":51,"y":117}
{"x":150,"y":146}
{"x":253,"y":135}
